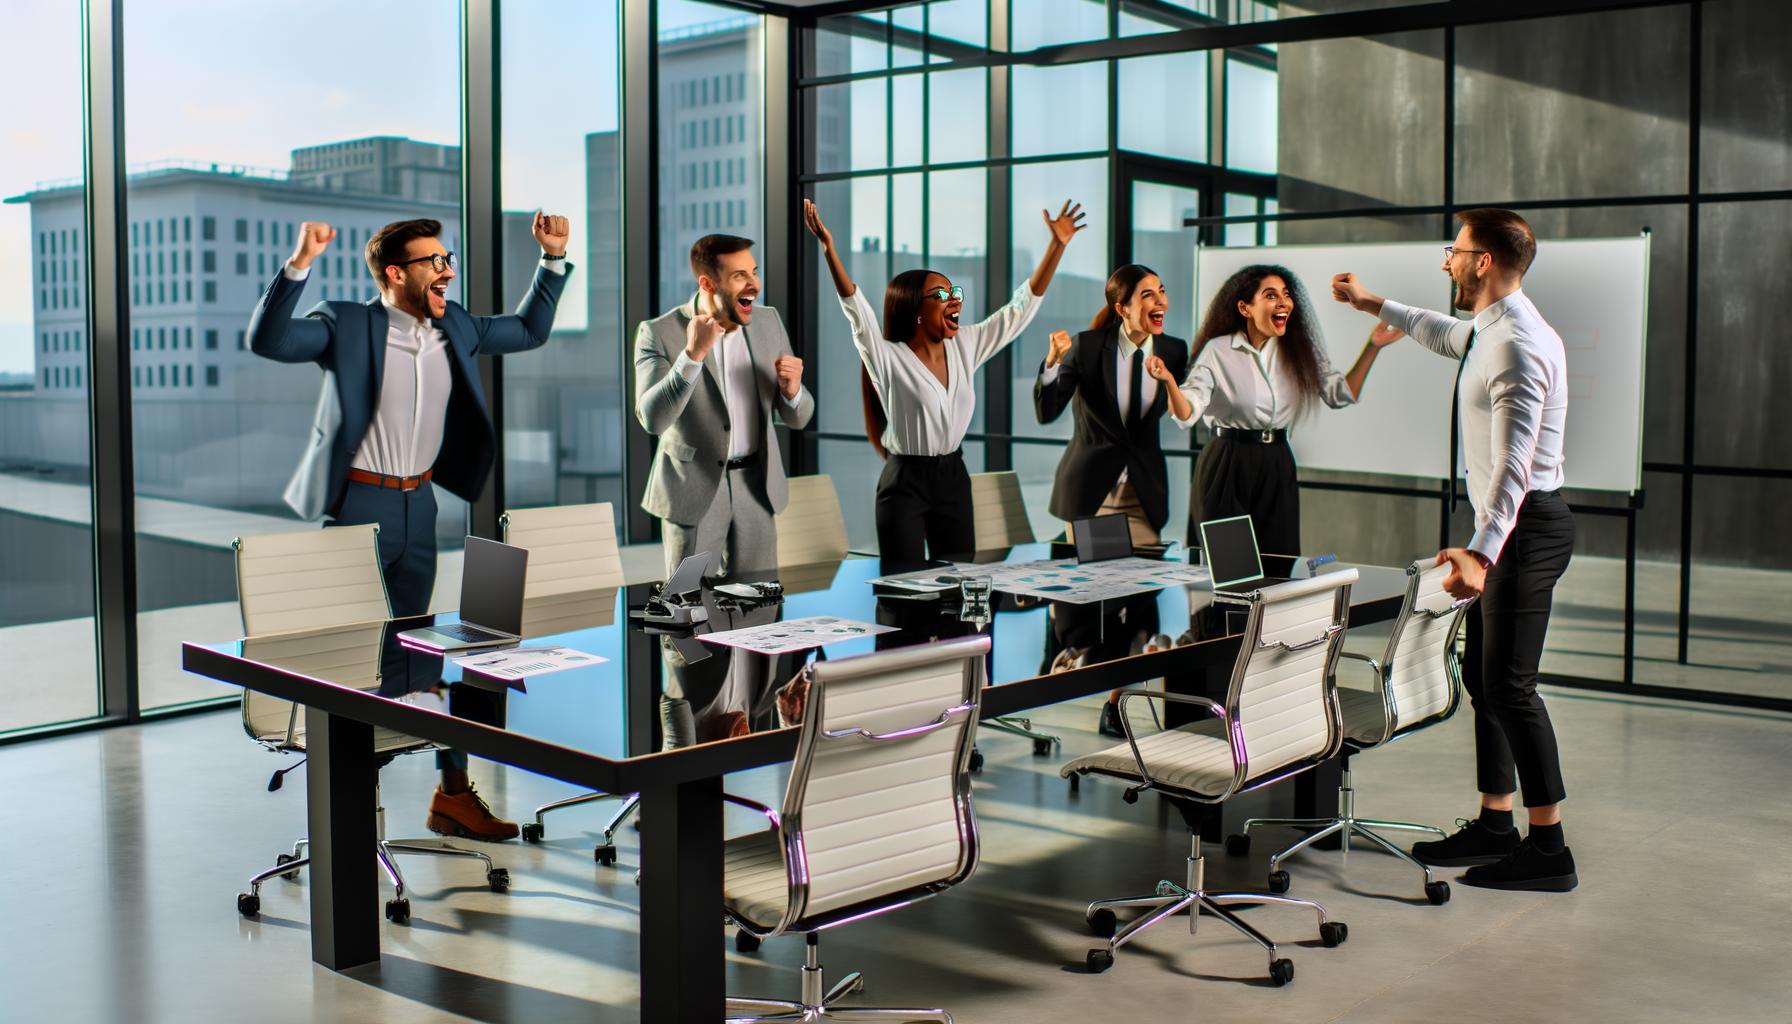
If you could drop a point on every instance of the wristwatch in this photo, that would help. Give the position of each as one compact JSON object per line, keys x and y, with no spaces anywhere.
{"x":551,"y":256}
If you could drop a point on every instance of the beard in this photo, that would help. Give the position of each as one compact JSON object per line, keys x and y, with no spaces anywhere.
{"x":1464,"y":295}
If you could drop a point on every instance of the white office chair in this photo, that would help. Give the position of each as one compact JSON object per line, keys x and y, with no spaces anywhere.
{"x":1000,"y":511}
{"x":876,"y":816}
{"x":572,"y":552}
{"x":1280,"y":718}
{"x":811,"y":535}
{"x":1417,"y":685}
{"x":295,"y":591}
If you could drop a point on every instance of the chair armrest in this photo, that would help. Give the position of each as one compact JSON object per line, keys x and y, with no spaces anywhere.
{"x":1374,"y":664}
{"x":754,"y":805}
{"x":1179,"y":698}
{"x":1330,"y":631}
{"x":941,"y":722}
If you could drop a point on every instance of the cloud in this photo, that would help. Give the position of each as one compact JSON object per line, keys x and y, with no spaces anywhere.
{"x":336,"y":99}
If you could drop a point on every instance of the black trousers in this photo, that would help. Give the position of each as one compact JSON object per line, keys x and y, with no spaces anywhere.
{"x":1515,"y":744}
{"x":1243,"y":478}
{"x":924,"y":510}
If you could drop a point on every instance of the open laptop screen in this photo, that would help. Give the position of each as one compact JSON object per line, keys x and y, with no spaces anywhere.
{"x":1230,"y":547}
{"x":1099,"y":538}
{"x":491,"y":585}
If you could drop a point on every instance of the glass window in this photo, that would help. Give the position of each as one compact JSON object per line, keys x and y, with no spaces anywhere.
{"x":1059,"y":109}
{"x":1251,"y":115}
{"x":1036,"y":23}
{"x":1077,"y":290}
{"x":1163,"y":105}
{"x":958,"y":116}
{"x":226,"y":451}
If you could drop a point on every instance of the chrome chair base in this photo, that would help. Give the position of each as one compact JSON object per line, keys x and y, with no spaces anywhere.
{"x":1043,"y":742}
{"x":819,"y":1003}
{"x":605,"y":852}
{"x":1172,"y":898}
{"x":1344,"y":826}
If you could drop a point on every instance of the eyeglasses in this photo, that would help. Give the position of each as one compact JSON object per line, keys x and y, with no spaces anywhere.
{"x":438,"y":262}
{"x":1450,"y":251}
{"x":945,"y":294}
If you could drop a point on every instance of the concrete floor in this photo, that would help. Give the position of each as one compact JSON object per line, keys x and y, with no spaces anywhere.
{"x":128,"y":847}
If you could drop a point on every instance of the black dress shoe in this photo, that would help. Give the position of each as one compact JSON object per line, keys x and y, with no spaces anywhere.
{"x":1473,"y":843}
{"x":1110,"y":721}
{"x":1528,"y":869}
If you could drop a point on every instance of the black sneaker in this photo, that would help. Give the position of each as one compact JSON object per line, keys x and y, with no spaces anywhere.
{"x":1110,"y":721}
{"x":1527,"y":868}
{"x":1473,"y":843}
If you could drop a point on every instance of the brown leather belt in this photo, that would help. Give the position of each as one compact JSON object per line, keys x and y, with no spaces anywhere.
{"x":396,"y":483}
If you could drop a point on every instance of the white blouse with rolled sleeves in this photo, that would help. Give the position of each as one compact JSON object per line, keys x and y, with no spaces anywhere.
{"x":1237,"y":386}
{"x":927,"y":417}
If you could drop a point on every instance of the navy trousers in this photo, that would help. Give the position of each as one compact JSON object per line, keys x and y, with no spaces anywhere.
{"x":407,"y":544}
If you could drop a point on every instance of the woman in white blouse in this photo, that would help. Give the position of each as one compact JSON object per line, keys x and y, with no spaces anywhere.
{"x":921,"y":394}
{"x":1259,"y":365}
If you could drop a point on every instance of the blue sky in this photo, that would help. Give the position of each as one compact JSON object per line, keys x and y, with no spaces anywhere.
{"x":247,"y":81}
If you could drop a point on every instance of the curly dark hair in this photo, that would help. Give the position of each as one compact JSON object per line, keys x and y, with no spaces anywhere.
{"x":1299,"y":347}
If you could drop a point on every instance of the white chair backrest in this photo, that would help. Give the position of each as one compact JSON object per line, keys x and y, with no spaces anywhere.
{"x":1000,"y":511}
{"x":1281,"y":699}
{"x":309,"y":579}
{"x":1420,"y":662}
{"x":572,"y":548}
{"x":886,"y":809}
{"x":349,"y":655}
{"x":811,"y":529}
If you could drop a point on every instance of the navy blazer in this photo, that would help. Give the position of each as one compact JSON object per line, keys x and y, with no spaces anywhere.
{"x":349,"y":339}
{"x":1101,"y":445}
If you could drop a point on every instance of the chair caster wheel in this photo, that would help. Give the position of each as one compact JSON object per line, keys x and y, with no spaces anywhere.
{"x":605,"y":854}
{"x":1131,"y":796}
{"x":398,"y":911}
{"x":1098,"y":960}
{"x":745,"y":941}
{"x":248,"y":904}
{"x":976,"y":760}
{"x":1076,"y":783}
{"x":1101,"y":922}
{"x":287,"y":858}
{"x":1042,"y":748}
{"x":1333,"y":933}
{"x":1281,"y":972}
{"x":532,"y":832}
{"x":1278,"y":881}
{"x":1238,"y":845}
{"x":498,"y":879}
{"x":1438,"y":893}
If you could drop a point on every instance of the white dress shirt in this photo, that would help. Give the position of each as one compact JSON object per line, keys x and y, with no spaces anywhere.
{"x":406,"y":433}
{"x":1236,"y":385}
{"x":925,"y":416}
{"x":734,"y":364}
{"x":1514,"y":399}
{"x":1123,"y":379}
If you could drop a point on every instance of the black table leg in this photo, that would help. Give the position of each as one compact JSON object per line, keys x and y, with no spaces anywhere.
{"x":681,"y":902}
{"x":341,"y":775}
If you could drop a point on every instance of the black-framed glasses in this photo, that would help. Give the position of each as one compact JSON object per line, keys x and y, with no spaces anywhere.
{"x":945,"y":294}
{"x":438,"y":262}
{"x":1450,"y":251}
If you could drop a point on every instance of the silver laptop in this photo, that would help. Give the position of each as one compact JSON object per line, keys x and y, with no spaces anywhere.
{"x":1229,"y":547}
{"x":491,"y":601}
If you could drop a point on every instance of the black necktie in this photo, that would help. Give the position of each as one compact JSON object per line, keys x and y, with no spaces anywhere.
{"x":1137,"y":412}
{"x":1455,"y":415}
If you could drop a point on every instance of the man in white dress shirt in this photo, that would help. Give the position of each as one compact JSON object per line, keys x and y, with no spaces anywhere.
{"x":1512,"y":389}
{"x":402,"y":407}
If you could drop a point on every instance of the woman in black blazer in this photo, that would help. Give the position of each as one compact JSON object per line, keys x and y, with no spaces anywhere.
{"x":1114,"y":463}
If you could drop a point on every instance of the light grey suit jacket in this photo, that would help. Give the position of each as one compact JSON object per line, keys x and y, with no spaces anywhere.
{"x":691,"y":419}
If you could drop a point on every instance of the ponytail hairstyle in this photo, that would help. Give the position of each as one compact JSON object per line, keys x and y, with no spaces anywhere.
{"x":1121,"y":284}
{"x":1299,"y":346}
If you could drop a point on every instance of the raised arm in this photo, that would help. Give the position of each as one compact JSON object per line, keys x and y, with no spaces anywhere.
{"x":812,"y":219}
{"x":1439,"y":332}
{"x":663,"y":382}
{"x":1380,"y":337}
{"x":1057,"y":380}
{"x":1063,"y":228}
{"x":533,"y":320}
{"x":273,"y":332}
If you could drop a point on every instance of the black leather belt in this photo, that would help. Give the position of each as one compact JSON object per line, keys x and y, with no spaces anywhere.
{"x":955,"y":455}
{"x":1251,"y":436}
{"x":741,"y":463}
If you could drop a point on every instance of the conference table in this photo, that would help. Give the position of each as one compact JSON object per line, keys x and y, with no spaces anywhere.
{"x":665,"y":715}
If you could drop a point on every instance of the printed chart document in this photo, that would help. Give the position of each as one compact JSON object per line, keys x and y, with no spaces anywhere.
{"x":1064,"y":579}
{"x":523,"y":662}
{"x":795,"y":635}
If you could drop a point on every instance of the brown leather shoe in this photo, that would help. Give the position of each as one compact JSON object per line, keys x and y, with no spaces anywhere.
{"x":467,"y":816}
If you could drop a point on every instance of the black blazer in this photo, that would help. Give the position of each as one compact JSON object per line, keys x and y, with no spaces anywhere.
{"x":1101,"y":446}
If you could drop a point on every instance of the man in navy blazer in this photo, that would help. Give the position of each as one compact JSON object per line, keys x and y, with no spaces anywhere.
{"x":402,"y":407}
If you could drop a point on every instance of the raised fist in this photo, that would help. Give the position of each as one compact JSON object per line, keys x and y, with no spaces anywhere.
{"x":551,"y":233}
{"x":1058,"y":348}
{"x":314,"y":237}
{"x":1156,"y":368}
{"x":701,"y":336}
{"x":790,"y":375}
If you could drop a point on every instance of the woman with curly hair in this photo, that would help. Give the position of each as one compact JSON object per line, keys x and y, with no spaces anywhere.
{"x":1259,"y":365}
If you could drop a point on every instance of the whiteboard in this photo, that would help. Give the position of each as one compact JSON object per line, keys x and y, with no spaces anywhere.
{"x":1593,"y":291}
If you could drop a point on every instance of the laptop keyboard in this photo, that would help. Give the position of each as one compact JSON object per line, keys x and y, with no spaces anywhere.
{"x":464,"y":632}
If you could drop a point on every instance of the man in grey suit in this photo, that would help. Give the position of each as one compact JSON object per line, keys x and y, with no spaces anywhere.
{"x":710,"y":376}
